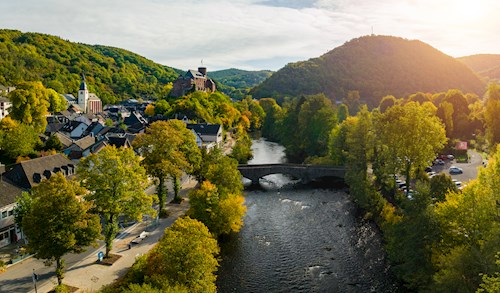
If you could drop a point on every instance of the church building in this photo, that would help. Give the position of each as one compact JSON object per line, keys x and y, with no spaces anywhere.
{"x":88,"y":102}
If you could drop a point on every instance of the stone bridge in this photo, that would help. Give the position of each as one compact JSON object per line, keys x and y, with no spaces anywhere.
{"x":306,"y":173}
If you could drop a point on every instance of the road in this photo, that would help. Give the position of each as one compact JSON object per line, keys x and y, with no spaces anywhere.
{"x":18,"y":278}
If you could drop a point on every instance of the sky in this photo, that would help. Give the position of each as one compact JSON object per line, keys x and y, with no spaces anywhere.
{"x":255,"y":34}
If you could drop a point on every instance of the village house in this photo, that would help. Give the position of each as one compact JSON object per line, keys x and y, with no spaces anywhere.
{"x":210,"y":134}
{"x":9,"y":232}
{"x":192,"y":81}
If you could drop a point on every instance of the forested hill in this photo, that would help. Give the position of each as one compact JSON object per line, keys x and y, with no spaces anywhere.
{"x":486,"y":66}
{"x":113,"y":74}
{"x":236,"y":82}
{"x":375,"y":66}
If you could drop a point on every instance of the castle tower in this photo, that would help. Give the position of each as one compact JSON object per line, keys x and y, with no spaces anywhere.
{"x":83,"y":95}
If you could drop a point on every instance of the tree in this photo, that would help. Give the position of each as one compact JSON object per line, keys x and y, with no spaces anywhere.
{"x":491,"y":115}
{"x":316,"y":119}
{"x":342,"y":112}
{"x":150,"y":110}
{"x":225,"y":175}
{"x":30,"y":103}
{"x":470,"y":231}
{"x":168,"y":149}
{"x":161,"y":107}
{"x":17,"y":139}
{"x":386,"y":103}
{"x":445,"y":112}
{"x":53,"y":143}
{"x":58,"y":222}
{"x":352,"y":101}
{"x":441,"y":184}
{"x":410,"y":135}
{"x":116,"y":182}
{"x":221,"y":215}
{"x":57,"y":102}
{"x":185,"y":255}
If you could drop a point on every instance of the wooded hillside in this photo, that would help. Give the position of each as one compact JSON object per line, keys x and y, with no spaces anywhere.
{"x":113,"y":74}
{"x":486,"y":66}
{"x":375,"y":66}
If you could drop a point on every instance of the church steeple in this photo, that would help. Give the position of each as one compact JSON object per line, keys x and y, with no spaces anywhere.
{"x":83,"y":95}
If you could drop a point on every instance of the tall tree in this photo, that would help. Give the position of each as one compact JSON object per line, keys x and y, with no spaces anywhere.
{"x":221,"y":215}
{"x":30,"y":102}
{"x":57,"y":102}
{"x":185,"y":255}
{"x":58,"y":222}
{"x":411,"y":136}
{"x":168,"y":150}
{"x":492,"y":116}
{"x":116,"y":181}
{"x":17,"y":139}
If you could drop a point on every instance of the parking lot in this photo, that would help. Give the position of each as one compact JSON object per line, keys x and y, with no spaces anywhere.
{"x":470,"y":170}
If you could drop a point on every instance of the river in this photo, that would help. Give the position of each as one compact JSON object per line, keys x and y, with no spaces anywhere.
{"x":301,"y":239}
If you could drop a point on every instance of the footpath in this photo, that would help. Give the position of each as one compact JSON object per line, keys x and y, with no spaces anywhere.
{"x":89,"y":276}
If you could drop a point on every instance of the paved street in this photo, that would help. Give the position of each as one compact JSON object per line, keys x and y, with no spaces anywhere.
{"x":82,"y":270}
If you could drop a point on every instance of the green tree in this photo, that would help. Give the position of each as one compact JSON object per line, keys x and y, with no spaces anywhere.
{"x":17,"y":139}
{"x":470,"y":232}
{"x":352,"y":101}
{"x":116,"y":182}
{"x":185,"y":255}
{"x":316,"y":119}
{"x":221,"y":214}
{"x":441,"y":184}
{"x":225,"y":175}
{"x":445,"y":112}
{"x":30,"y":103}
{"x":491,"y":115}
{"x":386,"y":103}
{"x":161,"y":107}
{"x":58,"y":222}
{"x":168,"y":148}
{"x":53,"y":143}
{"x":342,"y":112}
{"x":57,"y":102}
{"x":410,"y":135}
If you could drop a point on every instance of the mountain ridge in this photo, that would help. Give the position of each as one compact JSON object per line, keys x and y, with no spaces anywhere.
{"x":375,"y":66}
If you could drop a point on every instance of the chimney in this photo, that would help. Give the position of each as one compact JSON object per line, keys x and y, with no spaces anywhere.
{"x":202,"y":70}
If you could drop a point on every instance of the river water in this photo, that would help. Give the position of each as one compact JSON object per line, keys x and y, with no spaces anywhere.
{"x":301,"y":239}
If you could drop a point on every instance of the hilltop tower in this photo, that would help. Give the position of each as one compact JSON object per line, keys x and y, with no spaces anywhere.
{"x":83,"y":95}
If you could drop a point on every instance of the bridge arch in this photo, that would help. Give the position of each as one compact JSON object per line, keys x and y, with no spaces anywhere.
{"x":306,"y":173}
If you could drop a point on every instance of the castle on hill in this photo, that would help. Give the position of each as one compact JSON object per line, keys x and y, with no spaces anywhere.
{"x":192,"y":81}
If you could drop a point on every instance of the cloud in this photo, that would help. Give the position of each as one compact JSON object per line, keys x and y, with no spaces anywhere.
{"x":249,"y":34}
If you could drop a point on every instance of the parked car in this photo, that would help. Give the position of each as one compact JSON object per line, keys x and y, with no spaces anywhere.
{"x":428,"y":169}
{"x":455,"y":170}
{"x":438,"y":162}
{"x":450,"y":157}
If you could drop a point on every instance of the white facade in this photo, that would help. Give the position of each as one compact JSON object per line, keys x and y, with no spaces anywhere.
{"x":5,"y":104}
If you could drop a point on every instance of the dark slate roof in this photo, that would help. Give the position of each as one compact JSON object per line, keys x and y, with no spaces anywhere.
{"x":134,"y":118}
{"x":205,"y":129}
{"x":83,"y":85}
{"x":70,"y":98}
{"x":119,"y":141}
{"x":4,"y":99}
{"x":194,"y":74}
{"x":70,"y":126}
{"x":28,"y":173}
{"x":8,"y":192}
{"x":53,"y":127}
{"x":94,"y":128}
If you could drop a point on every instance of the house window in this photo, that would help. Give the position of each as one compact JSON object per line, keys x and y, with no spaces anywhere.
{"x":4,"y":214}
{"x":4,"y":235}
{"x":11,"y":212}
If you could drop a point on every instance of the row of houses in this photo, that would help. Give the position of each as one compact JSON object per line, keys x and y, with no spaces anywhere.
{"x":86,"y":128}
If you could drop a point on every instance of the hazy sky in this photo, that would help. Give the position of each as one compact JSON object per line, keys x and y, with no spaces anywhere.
{"x":255,"y":34}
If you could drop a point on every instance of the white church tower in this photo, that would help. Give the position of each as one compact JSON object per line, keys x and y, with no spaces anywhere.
{"x":83,"y":95}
